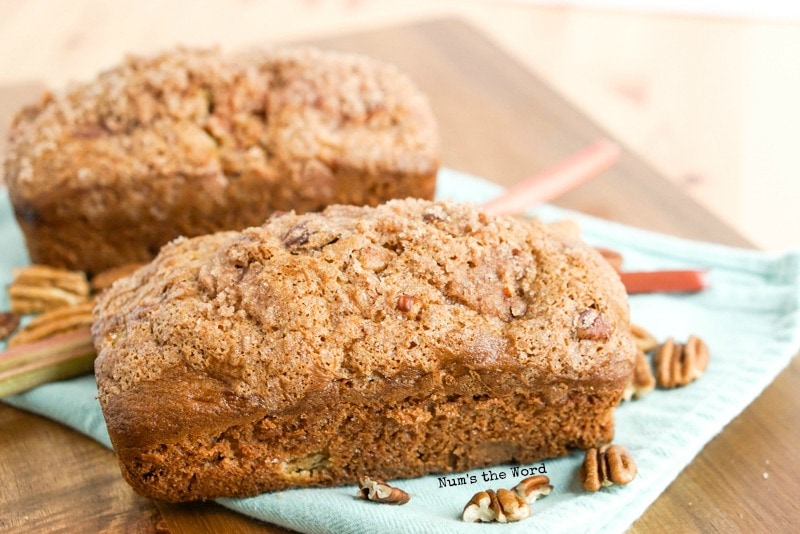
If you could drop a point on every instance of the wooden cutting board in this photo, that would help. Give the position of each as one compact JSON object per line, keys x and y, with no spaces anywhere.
{"x":499,"y":121}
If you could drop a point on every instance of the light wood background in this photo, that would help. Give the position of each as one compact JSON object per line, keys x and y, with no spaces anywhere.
{"x":711,"y":103}
{"x":52,"y":478}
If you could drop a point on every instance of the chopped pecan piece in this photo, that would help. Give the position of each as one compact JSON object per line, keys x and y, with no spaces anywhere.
{"x":680,"y":364}
{"x":518,"y":308}
{"x":296,"y":235}
{"x":380,"y":491}
{"x":309,"y":235}
{"x":607,"y":465}
{"x":408,"y":304}
{"x":592,"y":325}
{"x":89,"y":131}
{"x":434,"y":214}
{"x":373,"y":258}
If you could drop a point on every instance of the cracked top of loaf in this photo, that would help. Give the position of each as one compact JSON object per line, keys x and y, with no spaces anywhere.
{"x":404,"y":299}
{"x":200,"y":112}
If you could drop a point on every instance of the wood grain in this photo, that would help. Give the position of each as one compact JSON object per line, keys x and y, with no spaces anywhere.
{"x":502,"y":122}
{"x":55,"y":478}
{"x":499,"y":121}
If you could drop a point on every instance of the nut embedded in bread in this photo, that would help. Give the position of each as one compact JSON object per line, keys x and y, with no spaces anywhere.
{"x":410,"y":338}
{"x":191,"y":141}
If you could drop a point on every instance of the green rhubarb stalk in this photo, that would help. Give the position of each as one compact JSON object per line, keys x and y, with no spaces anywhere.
{"x":57,"y":358}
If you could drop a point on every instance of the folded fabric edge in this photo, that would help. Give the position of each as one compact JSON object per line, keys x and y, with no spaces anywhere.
{"x":630,"y":236}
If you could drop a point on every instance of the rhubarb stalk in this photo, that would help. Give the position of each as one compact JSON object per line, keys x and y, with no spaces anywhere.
{"x":64,"y":356}
{"x":554,"y":182}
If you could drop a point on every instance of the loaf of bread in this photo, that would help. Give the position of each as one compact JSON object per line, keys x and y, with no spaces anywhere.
{"x":394,"y":341}
{"x":195,"y":141}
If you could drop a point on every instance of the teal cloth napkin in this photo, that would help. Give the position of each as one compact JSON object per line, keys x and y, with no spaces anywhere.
{"x":749,"y":317}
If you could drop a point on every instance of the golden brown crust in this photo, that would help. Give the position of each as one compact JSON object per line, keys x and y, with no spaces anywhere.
{"x":194,"y":141}
{"x":250,"y":361}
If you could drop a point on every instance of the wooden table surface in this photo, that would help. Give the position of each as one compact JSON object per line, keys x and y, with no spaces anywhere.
{"x":500,"y":121}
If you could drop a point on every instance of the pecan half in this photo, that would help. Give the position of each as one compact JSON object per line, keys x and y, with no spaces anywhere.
{"x":680,"y":364}
{"x":9,"y":321}
{"x":39,"y":288}
{"x":512,"y":507}
{"x":503,"y":507}
{"x":642,"y":380}
{"x":46,"y":276}
{"x":53,"y":322}
{"x":645,"y":341}
{"x":481,"y":508}
{"x":607,"y":465}
{"x":592,"y":325}
{"x":380,"y":491}
{"x":532,"y":488}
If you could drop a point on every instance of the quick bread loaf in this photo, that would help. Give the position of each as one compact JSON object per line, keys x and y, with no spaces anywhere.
{"x":194,"y":141}
{"x":394,"y":341}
